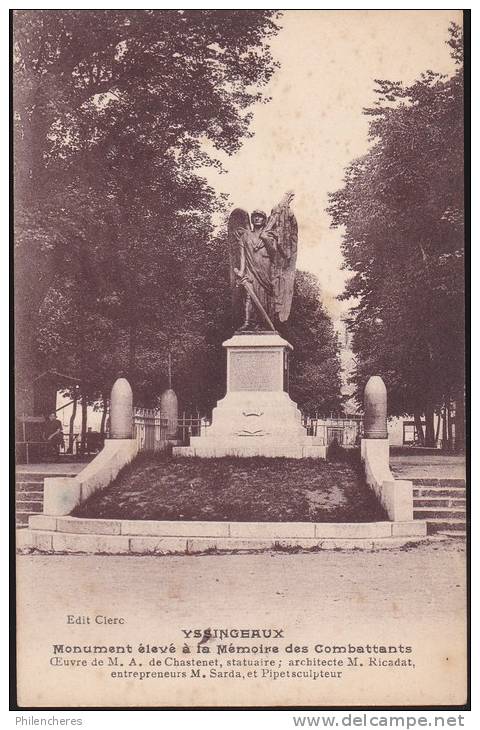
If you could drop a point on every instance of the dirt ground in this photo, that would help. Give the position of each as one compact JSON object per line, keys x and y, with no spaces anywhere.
{"x":423,"y":579}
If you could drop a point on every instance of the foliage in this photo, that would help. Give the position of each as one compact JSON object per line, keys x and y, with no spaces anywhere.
{"x":401,"y":208}
{"x":315,"y":373}
{"x":117,"y":261}
{"x":112,"y":113}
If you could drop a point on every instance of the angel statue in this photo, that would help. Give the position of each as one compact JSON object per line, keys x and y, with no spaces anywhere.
{"x":262,"y":264}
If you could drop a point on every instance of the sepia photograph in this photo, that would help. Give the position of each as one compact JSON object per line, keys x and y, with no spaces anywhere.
{"x":240,"y":388}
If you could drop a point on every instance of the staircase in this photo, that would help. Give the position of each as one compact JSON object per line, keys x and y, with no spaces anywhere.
{"x":28,"y":496}
{"x":29,"y":491}
{"x":442,"y":504}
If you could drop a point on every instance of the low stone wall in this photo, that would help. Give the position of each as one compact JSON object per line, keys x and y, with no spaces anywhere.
{"x":214,"y":448}
{"x":396,"y":495}
{"x":79,"y":535}
{"x":63,"y":494}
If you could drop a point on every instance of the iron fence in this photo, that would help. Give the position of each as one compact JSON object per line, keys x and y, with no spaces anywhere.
{"x":191,"y":425}
{"x":153,"y":431}
{"x":150,"y":429}
{"x":346,"y":432}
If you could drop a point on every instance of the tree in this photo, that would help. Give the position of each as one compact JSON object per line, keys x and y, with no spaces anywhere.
{"x":315,"y":371}
{"x":180,"y":75}
{"x":112,"y":110}
{"x":402,"y":212}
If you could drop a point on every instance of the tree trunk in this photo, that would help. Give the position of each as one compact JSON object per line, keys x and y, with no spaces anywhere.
{"x":83,"y":437}
{"x":437,"y":430}
{"x":132,"y":353}
{"x":429,"y":427}
{"x":445,"y":444}
{"x":71,"y":425}
{"x":104,"y":414}
{"x":449,"y":426}
{"x":460,"y":421}
{"x":417,"y":417}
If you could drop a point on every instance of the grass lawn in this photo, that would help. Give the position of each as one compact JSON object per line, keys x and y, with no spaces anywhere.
{"x":159,"y":487}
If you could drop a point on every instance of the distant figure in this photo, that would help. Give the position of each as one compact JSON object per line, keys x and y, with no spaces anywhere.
{"x":94,"y":440}
{"x":53,"y":434}
{"x":335,"y":449}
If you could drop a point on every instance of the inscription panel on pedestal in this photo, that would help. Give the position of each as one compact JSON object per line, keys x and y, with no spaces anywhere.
{"x":255,"y":371}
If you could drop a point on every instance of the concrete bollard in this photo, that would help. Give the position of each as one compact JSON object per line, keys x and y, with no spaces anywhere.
{"x":375,"y":407}
{"x":169,"y":410}
{"x":121,"y":410}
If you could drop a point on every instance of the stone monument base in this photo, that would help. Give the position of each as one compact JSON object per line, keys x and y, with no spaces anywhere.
{"x":256,"y":417}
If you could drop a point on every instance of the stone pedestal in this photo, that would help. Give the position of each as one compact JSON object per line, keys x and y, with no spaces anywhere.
{"x":257,"y":417}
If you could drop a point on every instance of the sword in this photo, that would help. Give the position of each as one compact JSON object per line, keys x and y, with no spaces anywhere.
{"x":245,"y":282}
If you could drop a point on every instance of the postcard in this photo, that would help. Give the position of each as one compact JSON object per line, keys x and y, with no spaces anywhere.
{"x":240,"y":358}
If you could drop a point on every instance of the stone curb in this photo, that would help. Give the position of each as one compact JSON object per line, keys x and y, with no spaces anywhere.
{"x":62,"y":542}
{"x":137,"y":537}
{"x":243,"y":530}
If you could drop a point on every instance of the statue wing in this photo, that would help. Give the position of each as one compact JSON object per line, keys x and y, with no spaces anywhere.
{"x":289,"y":263}
{"x":238,"y":221}
{"x":283,"y":225}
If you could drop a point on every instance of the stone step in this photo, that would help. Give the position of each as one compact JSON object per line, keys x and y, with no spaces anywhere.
{"x":427,"y":513}
{"x":29,"y":487}
{"x":29,"y":493}
{"x":21,"y":518}
{"x":436,"y":525}
{"x":438,"y":502}
{"x":37,"y":476}
{"x":460,"y":510}
{"x":29,"y":504}
{"x":24,"y":514}
{"x":452,"y":533}
{"x":28,"y":496}
{"x":439,"y":492}
{"x":22,"y":479}
{"x":438,"y":482}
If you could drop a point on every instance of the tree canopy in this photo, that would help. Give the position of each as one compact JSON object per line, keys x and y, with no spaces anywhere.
{"x":401,"y":210}
{"x":113,"y":223}
{"x":315,"y":371}
{"x":118,"y":263}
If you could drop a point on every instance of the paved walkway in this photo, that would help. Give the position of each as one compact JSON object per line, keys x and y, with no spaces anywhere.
{"x":423,"y":467}
{"x":412,"y":597}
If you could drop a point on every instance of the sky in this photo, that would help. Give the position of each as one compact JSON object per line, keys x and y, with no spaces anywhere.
{"x":313,"y":127}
